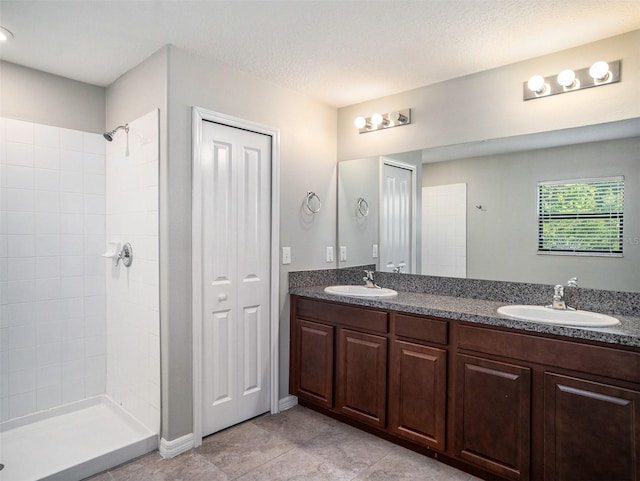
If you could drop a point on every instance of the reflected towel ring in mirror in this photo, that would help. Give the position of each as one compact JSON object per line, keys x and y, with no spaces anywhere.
{"x":363,"y":206}
{"x":309,"y":200}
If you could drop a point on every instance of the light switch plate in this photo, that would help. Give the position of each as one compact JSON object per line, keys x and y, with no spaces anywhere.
{"x":343,"y":253}
{"x":329,"y":253}
{"x":374,"y":251}
{"x":286,"y":255}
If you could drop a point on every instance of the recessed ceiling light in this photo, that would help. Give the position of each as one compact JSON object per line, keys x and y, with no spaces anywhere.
{"x":5,"y":34}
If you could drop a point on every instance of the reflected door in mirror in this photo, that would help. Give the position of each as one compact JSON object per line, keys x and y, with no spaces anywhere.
{"x":396,"y":219}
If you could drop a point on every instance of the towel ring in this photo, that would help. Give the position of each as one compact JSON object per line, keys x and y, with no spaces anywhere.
{"x":363,"y":206}
{"x":308,"y":199}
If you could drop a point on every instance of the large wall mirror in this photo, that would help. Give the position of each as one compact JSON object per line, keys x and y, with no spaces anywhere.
{"x":473,"y":209}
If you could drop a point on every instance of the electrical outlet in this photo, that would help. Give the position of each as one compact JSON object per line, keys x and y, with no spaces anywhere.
{"x":374,"y":251}
{"x":343,"y":253}
{"x":286,"y":255}
{"x":329,"y":253}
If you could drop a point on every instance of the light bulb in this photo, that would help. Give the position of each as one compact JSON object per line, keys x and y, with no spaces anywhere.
{"x":376,"y":119}
{"x":536,"y":84}
{"x":397,"y":118}
{"x":599,"y":70}
{"x":360,"y":122}
{"x":5,"y":34}
{"x":567,"y":78}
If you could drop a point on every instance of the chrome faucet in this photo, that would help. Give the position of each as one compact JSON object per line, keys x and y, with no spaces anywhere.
{"x":398,"y":269}
{"x":559,"y":299}
{"x":369,"y":281}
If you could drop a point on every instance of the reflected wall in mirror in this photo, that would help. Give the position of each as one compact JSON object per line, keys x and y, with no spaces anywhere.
{"x":501,"y":235}
{"x":379,"y":212}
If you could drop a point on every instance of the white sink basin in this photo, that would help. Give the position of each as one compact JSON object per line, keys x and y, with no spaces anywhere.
{"x":361,"y":291}
{"x":547,"y":315}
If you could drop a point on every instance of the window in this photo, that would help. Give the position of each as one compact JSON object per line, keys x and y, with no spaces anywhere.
{"x":581,"y":217}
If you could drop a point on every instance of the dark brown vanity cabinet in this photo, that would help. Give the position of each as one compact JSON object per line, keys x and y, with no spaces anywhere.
{"x":314,"y":351}
{"x":361,"y":378}
{"x":501,"y":403}
{"x":591,"y":430}
{"x":338,"y":358}
{"x":493,"y":415}
{"x":418,"y":380}
{"x":579,"y":406}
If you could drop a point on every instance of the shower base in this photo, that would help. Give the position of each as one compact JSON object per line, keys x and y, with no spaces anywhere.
{"x":71,"y":442}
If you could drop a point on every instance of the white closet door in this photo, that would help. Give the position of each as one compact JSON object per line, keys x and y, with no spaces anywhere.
{"x":236,"y":223}
{"x":395,"y":218}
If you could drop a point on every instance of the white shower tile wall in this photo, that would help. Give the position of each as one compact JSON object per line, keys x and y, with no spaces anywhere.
{"x":52,"y":295}
{"x":133,"y":319}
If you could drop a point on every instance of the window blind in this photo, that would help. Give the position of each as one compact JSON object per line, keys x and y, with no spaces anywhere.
{"x":584,"y":216}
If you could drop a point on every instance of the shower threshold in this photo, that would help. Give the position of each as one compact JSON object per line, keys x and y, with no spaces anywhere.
{"x":71,"y":442}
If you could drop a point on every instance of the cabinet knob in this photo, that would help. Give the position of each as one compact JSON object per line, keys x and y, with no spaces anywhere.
{"x":222,"y":297}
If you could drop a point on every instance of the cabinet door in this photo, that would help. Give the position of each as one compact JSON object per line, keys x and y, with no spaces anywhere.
{"x":362,"y":376}
{"x":418,"y":393}
{"x":591,"y":430}
{"x":493,"y":416}
{"x":314,"y":374}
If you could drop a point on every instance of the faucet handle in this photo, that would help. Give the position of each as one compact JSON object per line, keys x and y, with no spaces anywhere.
{"x":558,"y":292}
{"x":573,"y":282}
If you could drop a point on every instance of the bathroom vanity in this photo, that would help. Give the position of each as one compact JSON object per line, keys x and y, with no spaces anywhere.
{"x":497,"y":398}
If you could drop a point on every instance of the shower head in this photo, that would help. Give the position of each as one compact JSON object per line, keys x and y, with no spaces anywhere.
{"x":109,"y":135}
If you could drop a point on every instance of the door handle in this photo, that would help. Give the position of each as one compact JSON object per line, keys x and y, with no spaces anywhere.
{"x":222,"y":297}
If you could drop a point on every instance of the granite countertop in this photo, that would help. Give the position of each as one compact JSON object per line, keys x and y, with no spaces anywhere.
{"x":627,"y":333}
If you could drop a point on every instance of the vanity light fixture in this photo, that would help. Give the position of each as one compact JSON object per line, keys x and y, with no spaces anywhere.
{"x":5,"y":34}
{"x":378,"y":121}
{"x":600,"y":73}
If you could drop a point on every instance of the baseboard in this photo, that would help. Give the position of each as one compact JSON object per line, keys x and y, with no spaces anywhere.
{"x":170,"y":449}
{"x":287,"y":402}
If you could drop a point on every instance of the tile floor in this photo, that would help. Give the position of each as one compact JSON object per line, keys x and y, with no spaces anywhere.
{"x":297,"y":444}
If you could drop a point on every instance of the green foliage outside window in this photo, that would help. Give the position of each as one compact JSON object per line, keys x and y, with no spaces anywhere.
{"x":581,"y":216}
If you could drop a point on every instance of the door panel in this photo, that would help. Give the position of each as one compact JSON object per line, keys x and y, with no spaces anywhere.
{"x":218,"y":334}
{"x":236,"y":219}
{"x":396,"y":218}
{"x":218,"y":212}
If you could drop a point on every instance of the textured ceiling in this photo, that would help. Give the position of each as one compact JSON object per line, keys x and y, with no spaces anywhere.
{"x":341,"y":52}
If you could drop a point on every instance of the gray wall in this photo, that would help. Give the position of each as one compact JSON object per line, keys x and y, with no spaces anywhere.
{"x":43,"y":98}
{"x":489,"y":104}
{"x":307,"y":162}
{"x":358,"y":178}
{"x":501,"y":238}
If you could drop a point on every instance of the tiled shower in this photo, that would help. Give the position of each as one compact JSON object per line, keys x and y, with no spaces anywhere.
{"x":73,"y":325}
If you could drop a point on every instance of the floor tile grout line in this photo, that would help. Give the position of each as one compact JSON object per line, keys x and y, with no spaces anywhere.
{"x":209,"y":463}
{"x":255,"y":468}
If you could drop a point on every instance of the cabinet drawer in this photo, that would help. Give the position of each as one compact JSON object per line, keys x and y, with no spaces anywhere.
{"x":421,"y":328}
{"x":358,"y":317}
{"x":597,"y":360}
